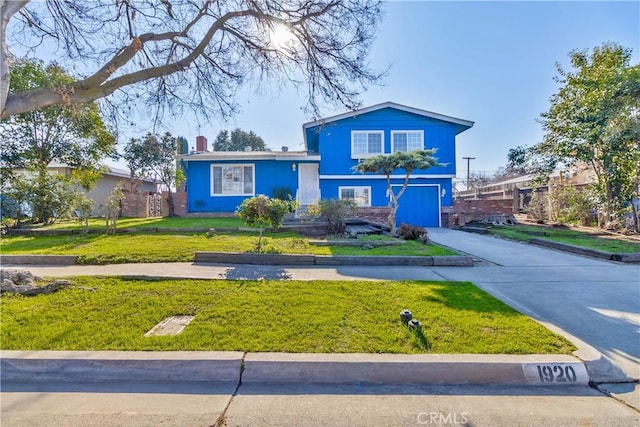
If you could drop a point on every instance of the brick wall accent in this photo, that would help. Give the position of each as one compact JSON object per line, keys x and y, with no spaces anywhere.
{"x":179,"y":203}
{"x":209,"y":214}
{"x":447,"y":219}
{"x":502,"y":206}
{"x":135,"y":205}
{"x":377,"y":214}
{"x":465,"y":211}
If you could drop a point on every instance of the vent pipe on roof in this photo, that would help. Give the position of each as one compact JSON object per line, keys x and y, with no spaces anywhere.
{"x":285,"y":148}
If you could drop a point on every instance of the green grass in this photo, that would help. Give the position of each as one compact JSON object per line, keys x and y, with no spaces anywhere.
{"x":281,"y":316}
{"x":166,"y":222}
{"x":171,"y":247}
{"x":606,"y":243}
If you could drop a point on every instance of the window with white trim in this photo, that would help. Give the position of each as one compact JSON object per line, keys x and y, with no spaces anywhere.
{"x":232,"y":180}
{"x":407,"y":140}
{"x":366,"y":143}
{"x":360,"y":195}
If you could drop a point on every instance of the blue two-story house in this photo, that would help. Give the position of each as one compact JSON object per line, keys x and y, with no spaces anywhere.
{"x":219,"y":181}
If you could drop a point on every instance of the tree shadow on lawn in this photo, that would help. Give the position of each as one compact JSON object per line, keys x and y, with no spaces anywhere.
{"x":254,"y":272}
{"x":469,"y":297}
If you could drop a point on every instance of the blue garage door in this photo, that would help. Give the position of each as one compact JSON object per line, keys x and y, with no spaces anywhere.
{"x":419,"y":206}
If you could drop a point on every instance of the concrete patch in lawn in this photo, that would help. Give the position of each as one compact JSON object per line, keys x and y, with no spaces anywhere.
{"x":170,"y":326}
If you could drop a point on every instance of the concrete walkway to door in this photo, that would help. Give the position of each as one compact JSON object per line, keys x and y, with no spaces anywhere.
{"x":594,"y":301}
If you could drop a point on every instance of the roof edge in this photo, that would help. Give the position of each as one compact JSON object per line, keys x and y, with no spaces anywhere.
{"x":389,"y":104}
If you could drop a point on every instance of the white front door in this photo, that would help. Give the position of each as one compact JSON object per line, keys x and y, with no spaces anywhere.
{"x":308,"y":184}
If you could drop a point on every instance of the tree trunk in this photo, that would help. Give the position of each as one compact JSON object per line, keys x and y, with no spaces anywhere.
{"x":25,"y":283}
{"x":392,"y":219}
{"x":260,"y":241}
{"x":34,"y":290}
{"x":7,"y":10}
{"x":170,"y":204}
{"x":636,"y":217}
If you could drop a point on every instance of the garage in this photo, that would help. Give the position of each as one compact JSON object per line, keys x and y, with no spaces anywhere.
{"x":420,"y":205}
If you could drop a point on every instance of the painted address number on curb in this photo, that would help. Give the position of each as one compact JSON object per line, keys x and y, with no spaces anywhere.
{"x":555,"y":373}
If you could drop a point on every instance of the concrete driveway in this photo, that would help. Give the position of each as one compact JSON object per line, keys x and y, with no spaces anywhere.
{"x":595,"y":302}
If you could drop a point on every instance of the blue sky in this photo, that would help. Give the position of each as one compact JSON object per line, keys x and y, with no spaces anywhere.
{"x":489,"y":62}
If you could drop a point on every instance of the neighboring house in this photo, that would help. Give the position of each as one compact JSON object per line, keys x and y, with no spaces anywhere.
{"x":109,"y":180}
{"x":519,"y":189}
{"x":219,"y":181}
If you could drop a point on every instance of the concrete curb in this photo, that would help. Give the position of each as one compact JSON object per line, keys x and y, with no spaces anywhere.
{"x":620,"y":257}
{"x":113,"y":366}
{"x":599,"y":368}
{"x":39,"y":259}
{"x":270,"y":259}
{"x":110,"y":366}
{"x":424,"y":261}
{"x":415,"y":369}
{"x":291,"y":259}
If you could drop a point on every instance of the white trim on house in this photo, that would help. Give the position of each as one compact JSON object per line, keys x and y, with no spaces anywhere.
{"x":250,"y":156}
{"x":368,"y":154}
{"x":400,"y":107}
{"x":355,"y":189}
{"x":422,"y":176}
{"x":242,"y":165}
{"x":407,"y":132}
{"x":439,"y":197}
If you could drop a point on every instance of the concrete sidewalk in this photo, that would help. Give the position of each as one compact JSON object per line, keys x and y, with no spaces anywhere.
{"x":235,"y":272}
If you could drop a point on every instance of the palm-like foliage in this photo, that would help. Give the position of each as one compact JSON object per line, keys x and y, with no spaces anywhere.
{"x":386,"y":164}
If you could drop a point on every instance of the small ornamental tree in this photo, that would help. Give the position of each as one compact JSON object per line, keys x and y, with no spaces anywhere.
{"x":261,"y":211}
{"x":112,"y":209}
{"x":386,"y":164}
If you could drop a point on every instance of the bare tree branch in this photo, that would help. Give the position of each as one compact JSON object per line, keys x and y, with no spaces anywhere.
{"x":196,"y":53}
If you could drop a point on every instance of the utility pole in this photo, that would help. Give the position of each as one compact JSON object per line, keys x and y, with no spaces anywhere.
{"x":468,"y":159}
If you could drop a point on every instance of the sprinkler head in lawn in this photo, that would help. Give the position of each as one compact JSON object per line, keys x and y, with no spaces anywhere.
{"x":414,"y":324}
{"x":405,"y":316}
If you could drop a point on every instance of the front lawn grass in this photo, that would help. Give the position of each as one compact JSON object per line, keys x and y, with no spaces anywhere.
{"x":606,"y":243}
{"x":171,"y":247}
{"x":280,"y":316}
{"x":159,"y":222}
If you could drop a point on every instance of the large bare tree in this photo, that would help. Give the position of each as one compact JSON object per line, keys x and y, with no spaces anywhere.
{"x":176,"y":54}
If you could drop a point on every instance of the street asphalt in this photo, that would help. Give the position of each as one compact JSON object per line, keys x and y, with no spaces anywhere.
{"x":296,"y":405}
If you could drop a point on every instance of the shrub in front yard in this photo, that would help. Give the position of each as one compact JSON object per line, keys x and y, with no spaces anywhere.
{"x":412,"y":232}
{"x":336,"y":212}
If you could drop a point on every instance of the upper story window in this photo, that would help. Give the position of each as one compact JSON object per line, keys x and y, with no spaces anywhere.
{"x":232,"y":180}
{"x":407,"y":140}
{"x":366,"y":143}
